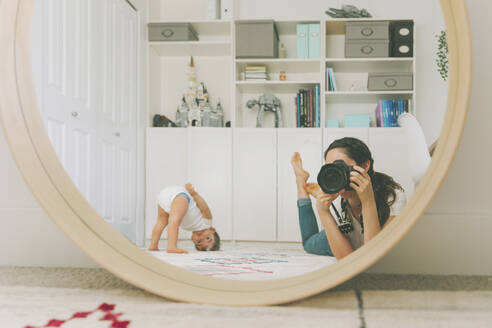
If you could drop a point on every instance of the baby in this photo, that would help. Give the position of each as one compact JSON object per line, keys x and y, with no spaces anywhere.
{"x":179,"y":207}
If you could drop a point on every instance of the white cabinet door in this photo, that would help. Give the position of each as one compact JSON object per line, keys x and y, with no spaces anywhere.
{"x":389,"y":150}
{"x":308,"y":142}
{"x":210,"y":171}
{"x":166,"y":159}
{"x":331,"y":135}
{"x":255,"y":185}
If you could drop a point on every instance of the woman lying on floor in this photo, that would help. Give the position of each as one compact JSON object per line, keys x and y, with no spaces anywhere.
{"x":374,"y":201}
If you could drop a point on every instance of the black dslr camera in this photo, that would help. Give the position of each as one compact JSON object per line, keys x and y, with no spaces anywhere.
{"x":335,"y":176}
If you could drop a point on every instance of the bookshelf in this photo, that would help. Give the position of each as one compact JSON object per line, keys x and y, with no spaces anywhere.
{"x":257,"y":160}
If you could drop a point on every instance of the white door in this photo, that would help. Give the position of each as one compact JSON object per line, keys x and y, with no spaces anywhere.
{"x":68,"y":99}
{"x":308,"y":142}
{"x":117,"y":115}
{"x":255,"y":184}
{"x":89,"y":100}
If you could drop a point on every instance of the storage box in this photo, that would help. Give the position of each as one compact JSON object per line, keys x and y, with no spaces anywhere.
{"x":332,"y":123}
{"x":172,"y":32}
{"x":390,"y":81}
{"x":367,"y":30}
{"x":366,"y":48}
{"x":357,"y":120}
{"x":256,"y":39}
{"x":402,"y":38}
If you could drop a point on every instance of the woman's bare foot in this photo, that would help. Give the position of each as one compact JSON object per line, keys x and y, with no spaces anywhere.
{"x":313,"y":189}
{"x":301,"y":174}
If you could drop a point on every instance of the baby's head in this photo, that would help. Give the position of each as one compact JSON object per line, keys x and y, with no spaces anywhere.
{"x":206,"y":240}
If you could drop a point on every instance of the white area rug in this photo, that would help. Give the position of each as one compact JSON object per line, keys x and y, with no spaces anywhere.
{"x":247,"y":262}
{"x":93,"y":298}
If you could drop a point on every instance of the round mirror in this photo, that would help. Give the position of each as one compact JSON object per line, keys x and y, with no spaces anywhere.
{"x":188,"y":163}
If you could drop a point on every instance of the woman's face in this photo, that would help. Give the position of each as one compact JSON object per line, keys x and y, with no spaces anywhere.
{"x":339,"y":154}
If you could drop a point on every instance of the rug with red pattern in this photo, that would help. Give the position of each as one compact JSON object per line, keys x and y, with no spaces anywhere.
{"x":104,"y":315}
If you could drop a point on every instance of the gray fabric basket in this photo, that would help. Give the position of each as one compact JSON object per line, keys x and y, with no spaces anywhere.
{"x":390,"y":81}
{"x":256,"y":39}
{"x":172,"y":32}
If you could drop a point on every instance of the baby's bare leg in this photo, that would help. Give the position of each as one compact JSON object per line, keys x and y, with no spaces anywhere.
{"x":160,"y":225}
{"x":178,"y":210}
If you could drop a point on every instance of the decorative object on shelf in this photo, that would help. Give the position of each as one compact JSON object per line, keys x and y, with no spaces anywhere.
{"x":220,"y":115}
{"x":162,"y":121}
{"x":400,"y":81}
{"x":228,"y":124}
{"x":269,"y":103}
{"x":442,"y":55}
{"x":367,"y":39}
{"x":191,"y":94}
{"x":401,"y":38}
{"x":194,"y":115}
{"x":348,"y":11}
{"x":213,"y":9}
{"x":255,"y":73}
{"x":182,"y":114}
{"x":172,"y":32}
{"x":282,"y":76}
{"x":206,"y":114}
{"x":256,"y":39}
{"x":282,"y":51}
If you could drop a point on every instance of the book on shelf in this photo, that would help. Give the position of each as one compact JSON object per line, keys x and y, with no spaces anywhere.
{"x":330,"y":80}
{"x":255,"y":73}
{"x":388,"y":110}
{"x":307,"y":111}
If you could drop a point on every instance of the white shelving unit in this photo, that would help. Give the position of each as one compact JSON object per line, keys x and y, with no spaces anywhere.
{"x":256,"y":160}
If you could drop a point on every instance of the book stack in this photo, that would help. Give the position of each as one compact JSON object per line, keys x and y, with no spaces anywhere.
{"x":331,"y":85}
{"x":308,"y":108}
{"x":388,"y":111}
{"x":255,"y":73}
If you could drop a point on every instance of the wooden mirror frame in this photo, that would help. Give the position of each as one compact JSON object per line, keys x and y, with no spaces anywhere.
{"x":65,"y":205}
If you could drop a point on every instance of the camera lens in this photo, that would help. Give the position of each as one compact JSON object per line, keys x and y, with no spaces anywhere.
{"x":332,"y":178}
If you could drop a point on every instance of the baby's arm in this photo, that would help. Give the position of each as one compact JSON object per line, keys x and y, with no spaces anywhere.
{"x":160,"y":225}
{"x":178,"y":211}
{"x":200,"y":202}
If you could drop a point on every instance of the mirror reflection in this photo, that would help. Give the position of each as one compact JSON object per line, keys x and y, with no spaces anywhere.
{"x":243,"y":139}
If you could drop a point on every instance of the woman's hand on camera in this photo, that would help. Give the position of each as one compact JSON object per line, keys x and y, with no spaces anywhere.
{"x":324,"y":201}
{"x":361,"y":182}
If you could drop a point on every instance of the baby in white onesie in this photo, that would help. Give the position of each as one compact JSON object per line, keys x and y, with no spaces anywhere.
{"x":182,"y":207}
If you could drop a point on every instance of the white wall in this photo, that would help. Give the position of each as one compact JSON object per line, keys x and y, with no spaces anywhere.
{"x":451,"y":238}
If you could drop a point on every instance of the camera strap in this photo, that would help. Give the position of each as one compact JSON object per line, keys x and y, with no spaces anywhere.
{"x":344,"y":224}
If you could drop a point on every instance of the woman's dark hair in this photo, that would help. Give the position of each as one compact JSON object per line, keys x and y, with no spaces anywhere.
{"x":383,"y":185}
